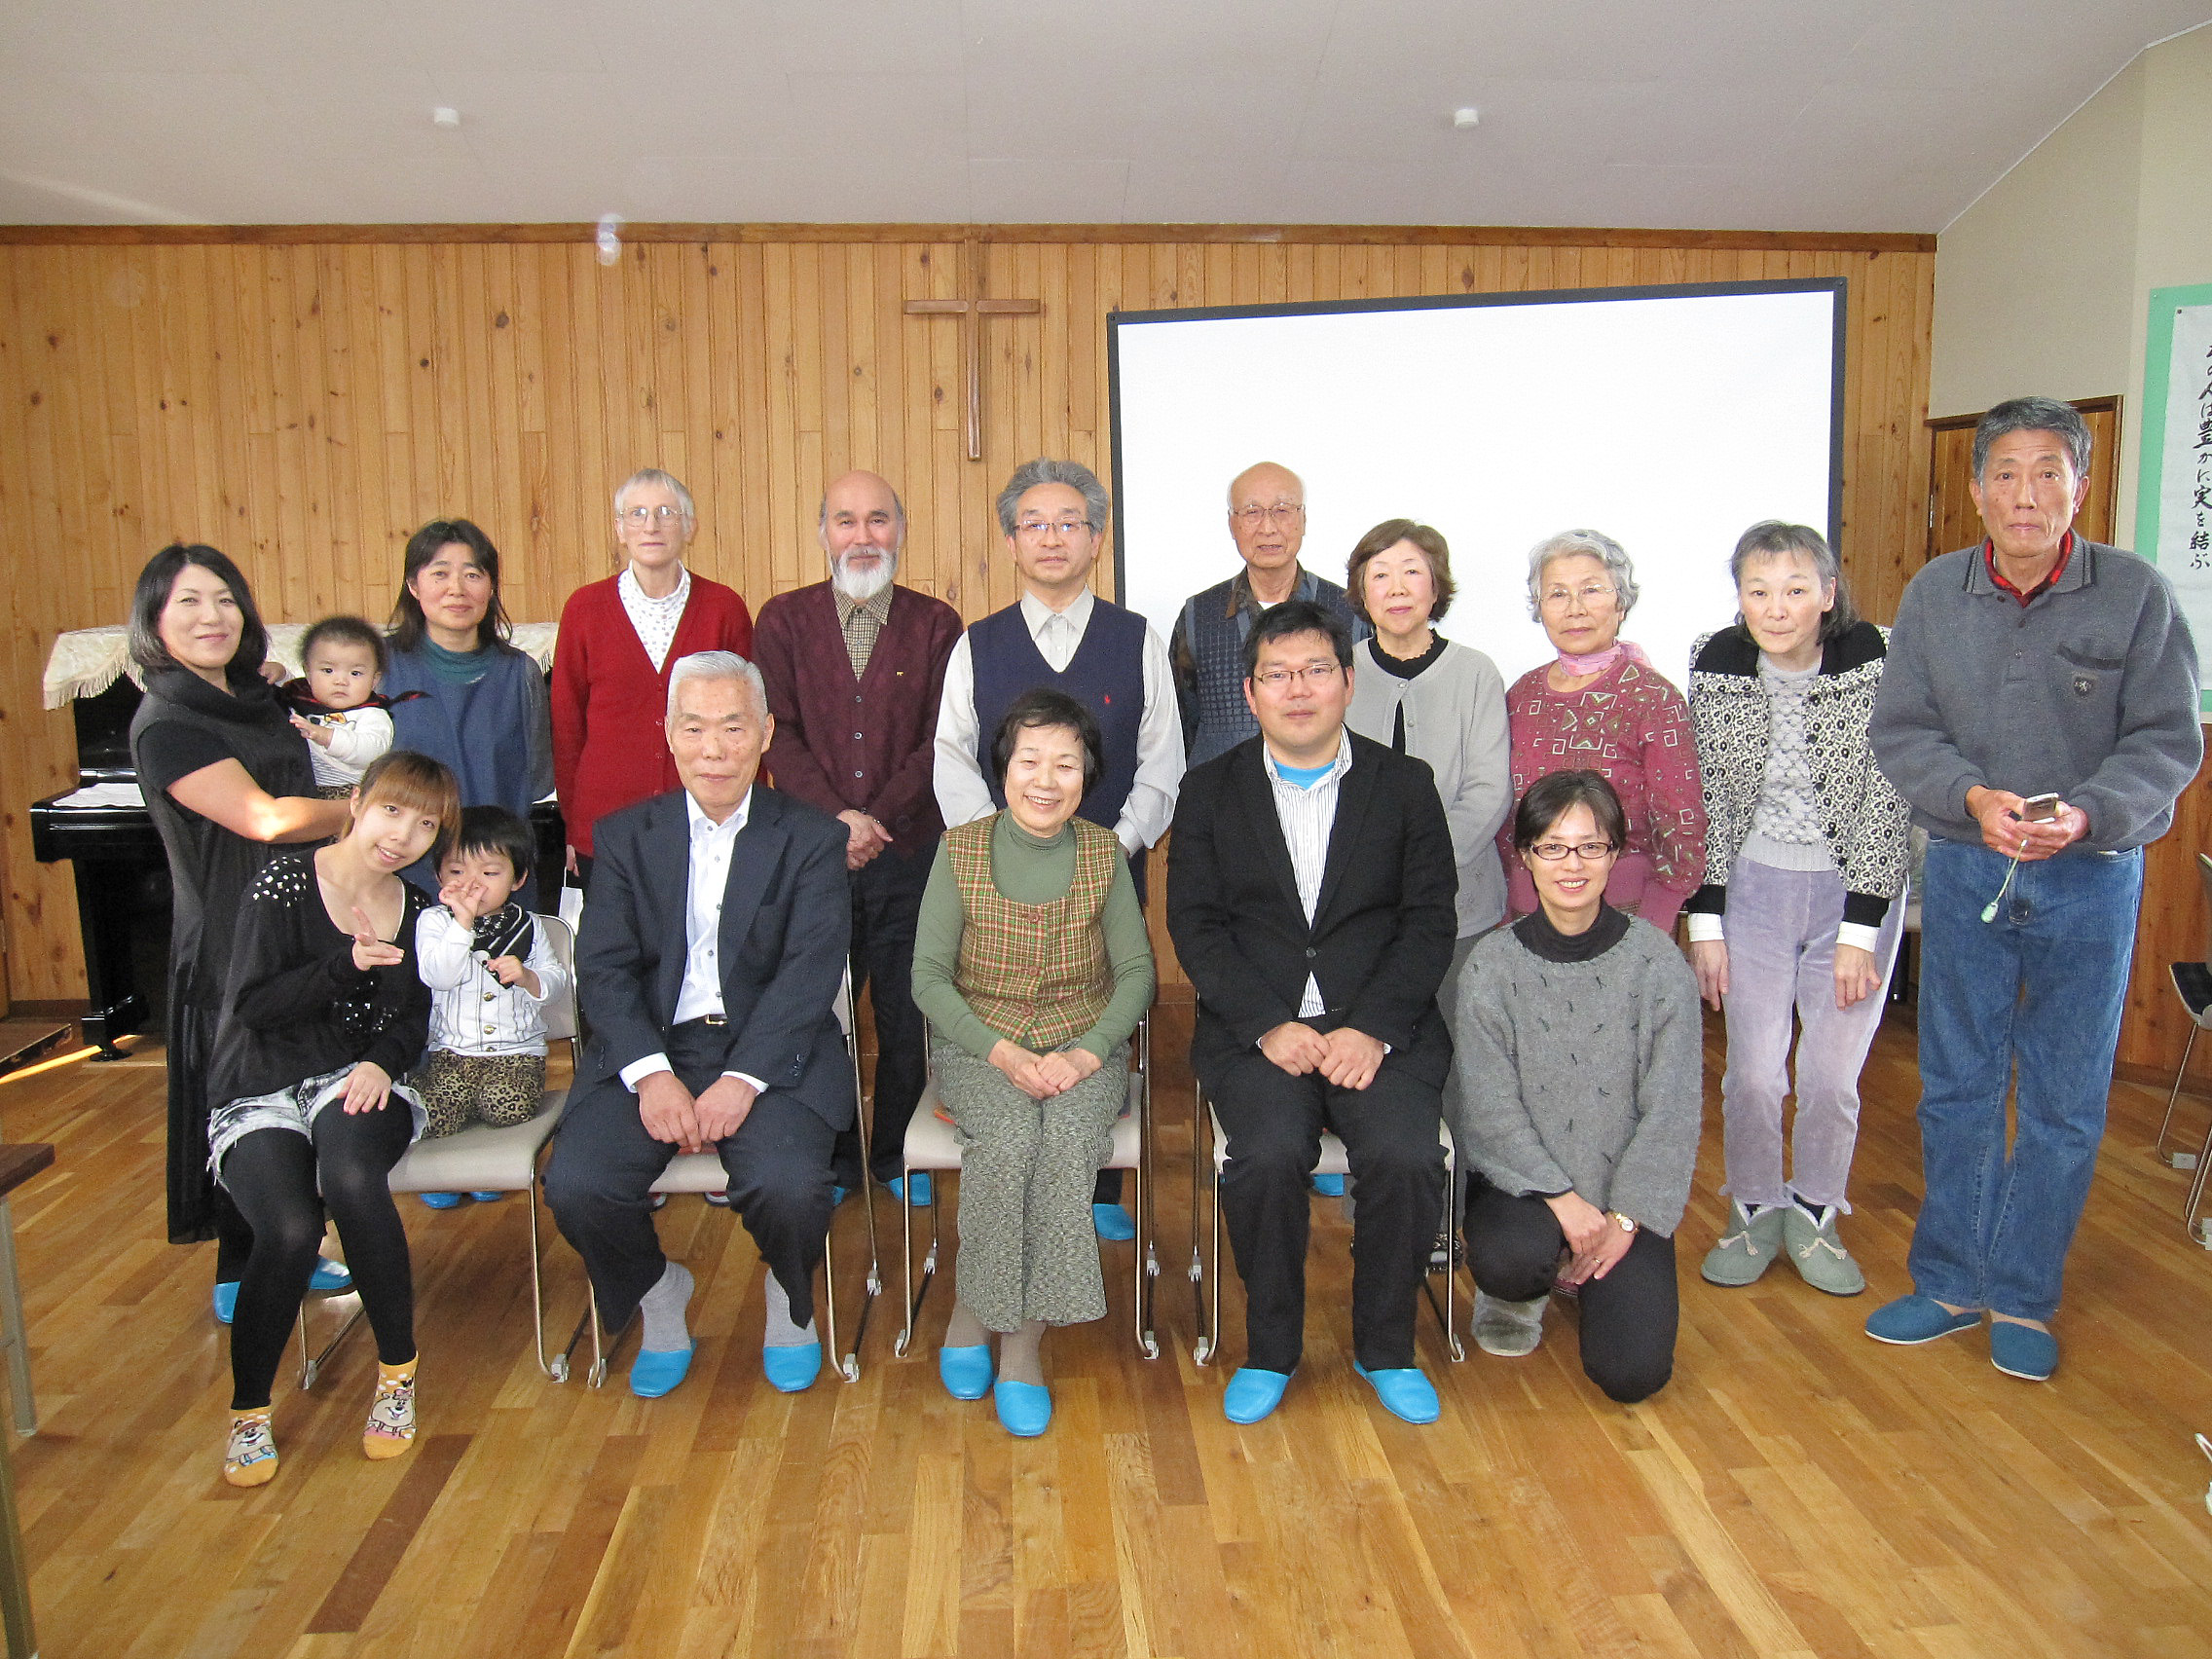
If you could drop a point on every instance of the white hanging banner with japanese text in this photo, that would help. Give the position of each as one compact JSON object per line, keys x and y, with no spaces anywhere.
{"x":2174,"y":500}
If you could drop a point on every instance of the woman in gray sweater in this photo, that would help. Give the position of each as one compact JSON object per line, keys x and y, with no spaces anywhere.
{"x":1582,"y":1085}
{"x":1444,"y":703}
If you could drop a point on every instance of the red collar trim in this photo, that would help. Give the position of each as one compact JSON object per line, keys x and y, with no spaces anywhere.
{"x":1989,"y":558}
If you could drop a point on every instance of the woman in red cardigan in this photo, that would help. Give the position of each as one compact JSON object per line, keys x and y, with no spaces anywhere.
{"x":618,"y":638}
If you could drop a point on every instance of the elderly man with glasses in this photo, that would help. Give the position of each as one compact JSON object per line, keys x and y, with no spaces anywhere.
{"x":1267,"y":519}
{"x":611,"y":669}
{"x":1062,"y":635}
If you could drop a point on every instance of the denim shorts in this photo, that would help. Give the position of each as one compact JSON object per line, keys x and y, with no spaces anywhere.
{"x":294,"y":1107}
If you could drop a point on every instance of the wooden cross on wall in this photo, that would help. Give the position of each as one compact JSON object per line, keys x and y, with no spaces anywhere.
{"x":971,"y":311}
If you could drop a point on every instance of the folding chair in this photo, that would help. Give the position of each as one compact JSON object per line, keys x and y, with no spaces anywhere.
{"x":703,"y":1172}
{"x":480,"y":1159}
{"x":1205,"y":1267}
{"x":2192,"y":985}
{"x":933,"y":1145}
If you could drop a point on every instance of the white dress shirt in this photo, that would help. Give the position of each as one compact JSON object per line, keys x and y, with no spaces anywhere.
{"x":705,"y":883}
{"x":655,"y":620}
{"x":1308,"y":815}
{"x":962,"y":794}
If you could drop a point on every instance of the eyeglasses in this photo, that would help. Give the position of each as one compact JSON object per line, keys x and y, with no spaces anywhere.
{"x":1034,"y":527}
{"x":1592,"y":593}
{"x":1285,"y":513}
{"x":1551,"y":852}
{"x":649,"y":515}
{"x":1278,"y":678}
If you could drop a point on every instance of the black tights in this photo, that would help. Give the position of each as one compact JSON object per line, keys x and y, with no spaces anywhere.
{"x":1628,"y":1317}
{"x":272,"y":1175}
{"x":234,"y":1240}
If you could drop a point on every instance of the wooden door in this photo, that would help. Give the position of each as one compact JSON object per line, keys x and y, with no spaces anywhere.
{"x":1953,"y":522}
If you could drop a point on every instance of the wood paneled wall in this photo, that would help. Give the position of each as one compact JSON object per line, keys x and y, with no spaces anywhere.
{"x":303,"y":399}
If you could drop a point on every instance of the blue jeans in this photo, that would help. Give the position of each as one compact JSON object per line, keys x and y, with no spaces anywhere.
{"x":2041,"y":985}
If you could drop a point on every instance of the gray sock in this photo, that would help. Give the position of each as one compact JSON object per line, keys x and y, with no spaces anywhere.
{"x":663,"y":1310}
{"x":964,"y":1329}
{"x":1018,"y":1359}
{"x":781,"y":1332}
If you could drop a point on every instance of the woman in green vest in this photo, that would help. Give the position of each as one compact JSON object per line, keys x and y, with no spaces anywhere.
{"x":1032,"y":967}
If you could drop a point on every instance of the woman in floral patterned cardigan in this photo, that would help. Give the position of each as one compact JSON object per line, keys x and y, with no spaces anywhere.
{"x":1601,"y":706}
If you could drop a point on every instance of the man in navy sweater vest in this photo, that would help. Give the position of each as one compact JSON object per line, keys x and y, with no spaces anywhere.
{"x":1062,"y":635}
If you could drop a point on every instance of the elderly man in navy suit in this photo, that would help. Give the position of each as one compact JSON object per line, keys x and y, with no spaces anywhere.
{"x":709,"y":965}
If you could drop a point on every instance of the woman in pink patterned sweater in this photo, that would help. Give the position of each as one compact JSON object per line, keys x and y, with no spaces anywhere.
{"x":1601,"y":706}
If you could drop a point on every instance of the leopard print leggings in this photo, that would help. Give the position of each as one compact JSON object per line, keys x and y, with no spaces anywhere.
{"x":459,"y":1090}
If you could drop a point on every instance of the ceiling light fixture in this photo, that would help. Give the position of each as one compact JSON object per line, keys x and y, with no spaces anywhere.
{"x":445,"y":117}
{"x":1467,"y":117}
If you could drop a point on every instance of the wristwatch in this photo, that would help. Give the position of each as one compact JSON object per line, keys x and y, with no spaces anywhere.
{"x":1622,"y":1221}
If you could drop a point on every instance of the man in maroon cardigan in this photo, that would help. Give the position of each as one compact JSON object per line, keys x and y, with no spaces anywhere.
{"x":855,"y":667}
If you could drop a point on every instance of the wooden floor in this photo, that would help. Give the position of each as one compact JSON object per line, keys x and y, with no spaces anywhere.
{"x":1797,"y":1489}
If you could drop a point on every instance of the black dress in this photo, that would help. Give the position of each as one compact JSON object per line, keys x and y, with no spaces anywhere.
{"x":182,"y":725}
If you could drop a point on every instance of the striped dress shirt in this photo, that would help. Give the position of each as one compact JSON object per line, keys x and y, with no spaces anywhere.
{"x":1308,"y":815}
{"x":470,"y":1012}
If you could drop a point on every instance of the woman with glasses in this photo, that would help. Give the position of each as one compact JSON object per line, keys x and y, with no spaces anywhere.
{"x":1600,"y":704}
{"x":1581,"y":1081}
{"x":461,"y":694}
{"x":618,"y":636}
{"x":1797,"y":925}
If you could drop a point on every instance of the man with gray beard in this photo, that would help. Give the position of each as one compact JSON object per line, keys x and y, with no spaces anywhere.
{"x":855,"y":667}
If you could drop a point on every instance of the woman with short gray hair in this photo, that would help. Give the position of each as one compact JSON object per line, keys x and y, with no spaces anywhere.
{"x":1600,"y":705}
{"x":1797,"y":924}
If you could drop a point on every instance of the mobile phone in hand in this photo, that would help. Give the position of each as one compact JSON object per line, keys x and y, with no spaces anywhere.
{"x":2039,"y":809}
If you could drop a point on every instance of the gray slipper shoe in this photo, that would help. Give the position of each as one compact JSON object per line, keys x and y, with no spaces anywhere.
{"x":1818,"y":1254}
{"x":1508,"y":1329}
{"x":1750,"y":1244}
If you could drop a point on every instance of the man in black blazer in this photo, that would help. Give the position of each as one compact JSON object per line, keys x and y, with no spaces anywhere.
{"x":1311,"y":895}
{"x":708,"y":966}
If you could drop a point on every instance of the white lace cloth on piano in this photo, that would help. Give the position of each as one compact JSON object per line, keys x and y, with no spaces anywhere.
{"x":87,"y":661}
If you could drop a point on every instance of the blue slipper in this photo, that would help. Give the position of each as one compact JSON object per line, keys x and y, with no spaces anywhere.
{"x":440,"y":1200}
{"x":1329,"y":1186}
{"x":656,"y":1370}
{"x":793,"y":1369}
{"x":1916,"y":1318}
{"x":1252,"y":1394}
{"x":2022,"y":1350}
{"x":331,"y":1275}
{"x":328,"y":1275}
{"x":915,"y":1190}
{"x":967,"y":1371}
{"x":487,"y":1197}
{"x":1405,"y":1393}
{"x":1025,"y":1408}
{"x":1114,"y":1224}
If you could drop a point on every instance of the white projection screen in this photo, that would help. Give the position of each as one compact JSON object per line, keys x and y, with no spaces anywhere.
{"x":1670,"y":418}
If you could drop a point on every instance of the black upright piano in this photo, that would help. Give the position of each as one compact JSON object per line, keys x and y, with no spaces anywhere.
{"x":123,"y":874}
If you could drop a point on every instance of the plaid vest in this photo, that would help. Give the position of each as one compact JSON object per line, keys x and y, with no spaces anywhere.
{"x":1214,"y":625}
{"x":1035,"y":973}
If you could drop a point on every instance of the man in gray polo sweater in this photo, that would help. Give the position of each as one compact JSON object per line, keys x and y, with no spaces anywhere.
{"x":2038,"y":663}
